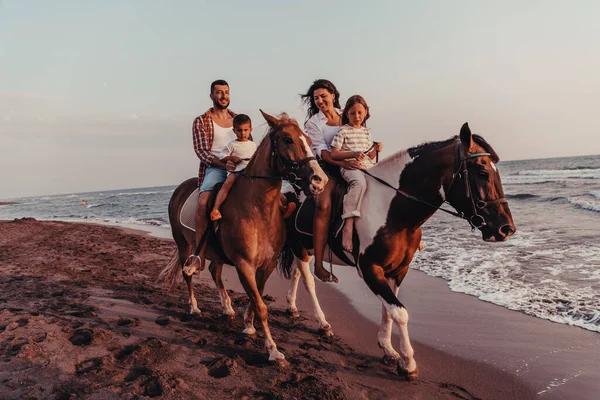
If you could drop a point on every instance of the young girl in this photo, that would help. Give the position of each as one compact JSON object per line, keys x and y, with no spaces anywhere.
{"x":240,"y":151}
{"x":353,"y":142}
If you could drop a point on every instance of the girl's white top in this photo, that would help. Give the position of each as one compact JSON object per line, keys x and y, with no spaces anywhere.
{"x":354,"y":139}
{"x":320,"y":133}
{"x":242,"y":150}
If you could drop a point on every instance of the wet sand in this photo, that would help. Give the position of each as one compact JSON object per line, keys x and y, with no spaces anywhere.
{"x":81,"y":315}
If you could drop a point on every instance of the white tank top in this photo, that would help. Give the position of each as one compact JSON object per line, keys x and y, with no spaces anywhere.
{"x":329,"y":133}
{"x":223,"y":136}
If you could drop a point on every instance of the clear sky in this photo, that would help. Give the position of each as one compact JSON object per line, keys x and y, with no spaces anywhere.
{"x":101,"y":95}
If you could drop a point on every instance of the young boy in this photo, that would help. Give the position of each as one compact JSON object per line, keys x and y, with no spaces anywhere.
{"x":240,"y":151}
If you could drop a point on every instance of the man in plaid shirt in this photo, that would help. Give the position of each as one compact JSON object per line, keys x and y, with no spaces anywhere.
{"x":211,"y":132}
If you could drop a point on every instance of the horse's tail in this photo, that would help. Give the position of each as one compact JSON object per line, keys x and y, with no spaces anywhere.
{"x":171,"y":274}
{"x":286,"y":260}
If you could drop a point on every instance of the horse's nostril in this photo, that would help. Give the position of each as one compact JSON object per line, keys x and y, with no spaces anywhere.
{"x":507,"y":230}
{"x":316,"y":178}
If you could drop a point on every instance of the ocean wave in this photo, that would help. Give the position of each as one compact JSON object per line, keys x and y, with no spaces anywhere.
{"x":596,"y":194}
{"x":94,"y":205}
{"x":143,"y":193}
{"x":136,"y":221}
{"x":593,"y":173}
{"x":585,"y":204}
{"x":521,"y":196}
{"x":527,"y":274}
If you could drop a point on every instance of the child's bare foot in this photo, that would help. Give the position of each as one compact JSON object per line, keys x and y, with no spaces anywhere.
{"x":324,"y":275}
{"x":421,"y":246}
{"x":192,"y":264}
{"x":215,"y":215}
{"x":289,"y":209}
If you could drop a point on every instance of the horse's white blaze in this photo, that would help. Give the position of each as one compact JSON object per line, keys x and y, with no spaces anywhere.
{"x":377,"y":199}
{"x":306,"y":146}
{"x":494,"y":167}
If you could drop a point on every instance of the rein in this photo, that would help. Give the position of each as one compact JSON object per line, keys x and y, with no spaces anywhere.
{"x":460,"y":161}
{"x":290,"y":168}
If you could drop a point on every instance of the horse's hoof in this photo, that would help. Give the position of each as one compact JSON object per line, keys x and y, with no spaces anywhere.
{"x":281,"y":363}
{"x":327,"y":332}
{"x":293,"y":313}
{"x":228,"y":318}
{"x":390,"y":360}
{"x":409,"y":376}
{"x":196,"y":311}
{"x":250,"y":331}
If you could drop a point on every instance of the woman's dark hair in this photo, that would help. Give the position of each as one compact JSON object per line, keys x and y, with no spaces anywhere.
{"x":241,"y":119}
{"x":356,"y":99}
{"x":309,"y":99}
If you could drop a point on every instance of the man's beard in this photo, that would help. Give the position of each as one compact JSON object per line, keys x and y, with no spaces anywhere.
{"x":218,"y":105}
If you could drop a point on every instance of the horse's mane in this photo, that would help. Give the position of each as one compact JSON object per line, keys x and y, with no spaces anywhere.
{"x":432,"y":146}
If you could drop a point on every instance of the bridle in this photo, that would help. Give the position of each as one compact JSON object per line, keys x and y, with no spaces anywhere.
{"x":289,"y":168}
{"x":460,"y":163}
{"x":461,"y":171}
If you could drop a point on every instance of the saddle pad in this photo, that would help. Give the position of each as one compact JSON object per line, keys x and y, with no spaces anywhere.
{"x":187,"y":217}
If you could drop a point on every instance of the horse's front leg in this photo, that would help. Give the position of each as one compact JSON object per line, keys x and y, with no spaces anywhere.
{"x":216,"y":270}
{"x":373,"y":276}
{"x":309,"y":284}
{"x":384,"y":336}
{"x":247,"y":274}
{"x":293,"y":291}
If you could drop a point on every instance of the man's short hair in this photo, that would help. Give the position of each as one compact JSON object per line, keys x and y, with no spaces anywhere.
{"x":220,"y":82}
{"x":241,"y":119}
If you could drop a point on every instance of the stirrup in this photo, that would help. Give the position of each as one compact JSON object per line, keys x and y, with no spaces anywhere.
{"x":215,"y":215}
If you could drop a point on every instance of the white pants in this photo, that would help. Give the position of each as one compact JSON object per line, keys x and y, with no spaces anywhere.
{"x":357,"y":185}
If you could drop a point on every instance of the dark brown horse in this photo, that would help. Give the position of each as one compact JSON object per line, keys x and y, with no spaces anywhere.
{"x":252,"y":231}
{"x":403,"y":192}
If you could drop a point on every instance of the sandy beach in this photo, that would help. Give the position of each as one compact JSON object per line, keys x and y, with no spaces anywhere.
{"x":81,"y":316}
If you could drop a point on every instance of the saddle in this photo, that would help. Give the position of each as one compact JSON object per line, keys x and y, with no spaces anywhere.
{"x":187,"y":217}
{"x":304,"y":223}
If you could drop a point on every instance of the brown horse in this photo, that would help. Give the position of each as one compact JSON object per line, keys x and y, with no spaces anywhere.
{"x":403,"y":192}
{"x":252,"y":231}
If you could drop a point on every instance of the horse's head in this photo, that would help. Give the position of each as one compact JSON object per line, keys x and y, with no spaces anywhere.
{"x":294,"y":159}
{"x":476,"y":189}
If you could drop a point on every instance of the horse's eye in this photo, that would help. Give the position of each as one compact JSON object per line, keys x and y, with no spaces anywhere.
{"x":288,"y":140}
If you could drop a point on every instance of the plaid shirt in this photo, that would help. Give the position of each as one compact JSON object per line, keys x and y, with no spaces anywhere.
{"x":203,"y":134}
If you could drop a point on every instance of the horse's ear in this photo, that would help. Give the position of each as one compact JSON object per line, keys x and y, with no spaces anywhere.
{"x":271,"y":120}
{"x":465,"y":136}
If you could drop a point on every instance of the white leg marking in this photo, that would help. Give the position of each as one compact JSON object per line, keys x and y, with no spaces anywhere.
{"x":400,"y":317}
{"x":309,"y":284}
{"x":293,"y":290}
{"x":226,"y":302}
{"x":384,"y":336}
{"x":249,"y":320}
{"x":274,"y":354}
